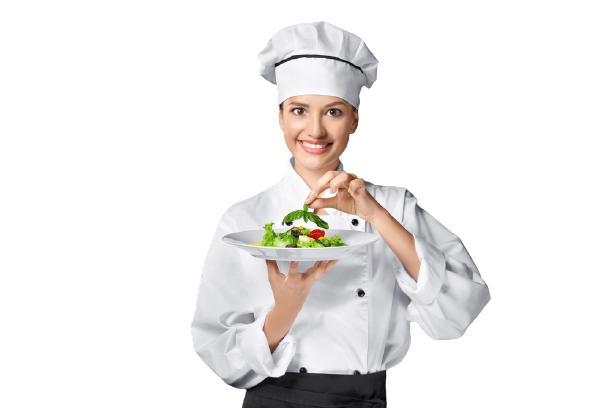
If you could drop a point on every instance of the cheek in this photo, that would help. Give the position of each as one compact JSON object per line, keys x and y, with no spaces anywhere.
{"x":340,"y":146}
{"x":289,"y":141}
{"x":342,"y":135}
{"x":290,"y":135}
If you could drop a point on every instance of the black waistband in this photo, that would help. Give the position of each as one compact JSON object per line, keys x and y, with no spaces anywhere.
{"x":317,"y":56}
{"x":318,"y":389}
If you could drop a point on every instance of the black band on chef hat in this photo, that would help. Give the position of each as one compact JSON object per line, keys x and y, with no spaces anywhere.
{"x":317,"y":56}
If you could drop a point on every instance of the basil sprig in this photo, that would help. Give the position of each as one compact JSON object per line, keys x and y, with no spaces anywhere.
{"x":296,"y":215}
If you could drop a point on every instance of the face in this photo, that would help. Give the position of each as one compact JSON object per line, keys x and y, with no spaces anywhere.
{"x":321,"y":120}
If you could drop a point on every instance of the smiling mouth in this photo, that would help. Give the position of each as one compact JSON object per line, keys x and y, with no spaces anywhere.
{"x":315,"y":145}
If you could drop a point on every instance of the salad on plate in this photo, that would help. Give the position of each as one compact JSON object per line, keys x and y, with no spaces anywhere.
{"x":300,"y":237}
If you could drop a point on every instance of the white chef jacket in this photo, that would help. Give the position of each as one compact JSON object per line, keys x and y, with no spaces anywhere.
{"x":356,"y":317}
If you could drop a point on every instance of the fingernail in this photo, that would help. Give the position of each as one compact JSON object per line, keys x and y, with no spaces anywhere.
{"x":325,"y":262}
{"x":350,"y":189}
{"x":294,"y":262}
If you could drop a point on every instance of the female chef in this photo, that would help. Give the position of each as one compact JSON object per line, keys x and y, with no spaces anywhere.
{"x":317,"y":333}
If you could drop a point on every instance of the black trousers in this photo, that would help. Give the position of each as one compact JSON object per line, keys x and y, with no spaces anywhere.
{"x":305,"y":390}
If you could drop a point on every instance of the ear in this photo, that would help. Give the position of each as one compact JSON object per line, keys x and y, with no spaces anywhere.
{"x":355,"y":121}
{"x":280,"y":120}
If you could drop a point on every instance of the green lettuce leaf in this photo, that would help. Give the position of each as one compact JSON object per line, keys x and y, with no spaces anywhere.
{"x":286,"y":239}
{"x":310,"y":244}
{"x":337,"y":241}
{"x":269,"y":236}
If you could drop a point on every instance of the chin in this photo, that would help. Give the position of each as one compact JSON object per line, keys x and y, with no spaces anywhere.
{"x":314,"y":161}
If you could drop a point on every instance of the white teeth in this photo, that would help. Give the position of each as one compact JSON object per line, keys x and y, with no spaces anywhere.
{"x":314,"y":146}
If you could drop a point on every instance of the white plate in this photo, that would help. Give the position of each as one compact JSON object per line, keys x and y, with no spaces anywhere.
{"x":354,"y":240}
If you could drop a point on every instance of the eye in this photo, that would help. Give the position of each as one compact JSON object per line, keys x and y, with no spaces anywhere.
{"x":294,"y":109}
{"x":339,"y":112}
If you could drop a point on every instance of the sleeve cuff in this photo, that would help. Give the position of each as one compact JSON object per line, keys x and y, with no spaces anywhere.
{"x":431,"y":274}
{"x":256,"y":351}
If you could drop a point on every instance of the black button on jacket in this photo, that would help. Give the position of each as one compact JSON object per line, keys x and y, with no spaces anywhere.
{"x":331,"y":333}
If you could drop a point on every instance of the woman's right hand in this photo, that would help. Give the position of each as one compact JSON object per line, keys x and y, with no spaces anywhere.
{"x":291,"y":291}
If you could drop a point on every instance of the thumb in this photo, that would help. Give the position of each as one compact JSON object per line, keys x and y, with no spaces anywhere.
{"x":322,"y":203}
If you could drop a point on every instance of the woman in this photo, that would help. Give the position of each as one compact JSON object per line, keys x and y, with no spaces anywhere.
{"x":324,"y":333}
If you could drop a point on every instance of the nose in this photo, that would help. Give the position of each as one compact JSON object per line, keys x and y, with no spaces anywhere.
{"x":317,"y":129}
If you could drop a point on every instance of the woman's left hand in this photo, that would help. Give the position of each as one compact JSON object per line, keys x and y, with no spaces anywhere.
{"x":352,"y":197}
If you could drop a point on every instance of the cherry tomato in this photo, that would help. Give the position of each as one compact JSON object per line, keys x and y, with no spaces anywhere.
{"x":316,"y":234}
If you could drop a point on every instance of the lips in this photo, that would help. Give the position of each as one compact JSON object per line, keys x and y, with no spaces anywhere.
{"x":315,"y":150}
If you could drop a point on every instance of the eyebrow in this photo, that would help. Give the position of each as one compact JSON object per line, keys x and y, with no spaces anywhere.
{"x":326,"y":106}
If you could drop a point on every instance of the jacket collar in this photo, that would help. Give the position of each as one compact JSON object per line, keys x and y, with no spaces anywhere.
{"x":294,"y":186}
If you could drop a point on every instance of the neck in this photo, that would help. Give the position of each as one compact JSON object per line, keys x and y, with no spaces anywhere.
{"x":311,"y":176}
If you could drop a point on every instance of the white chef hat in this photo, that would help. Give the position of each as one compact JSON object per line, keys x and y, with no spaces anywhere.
{"x":318,"y":59}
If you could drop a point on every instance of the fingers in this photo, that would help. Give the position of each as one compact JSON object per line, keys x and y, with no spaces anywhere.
{"x":293,"y":270}
{"x":321,"y":185}
{"x":272,"y":265}
{"x":343,"y":180}
{"x":273,"y":270}
{"x":357,"y":188}
{"x":333,"y":180}
{"x":323,"y":203}
{"x":355,"y":176}
{"x":320,"y":269}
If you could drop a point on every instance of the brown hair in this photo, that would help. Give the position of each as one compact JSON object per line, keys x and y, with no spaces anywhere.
{"x":280,"y":107}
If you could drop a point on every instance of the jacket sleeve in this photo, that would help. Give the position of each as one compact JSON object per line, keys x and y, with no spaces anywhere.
{"x":449,"y":293}
{"x":226,"y":334}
